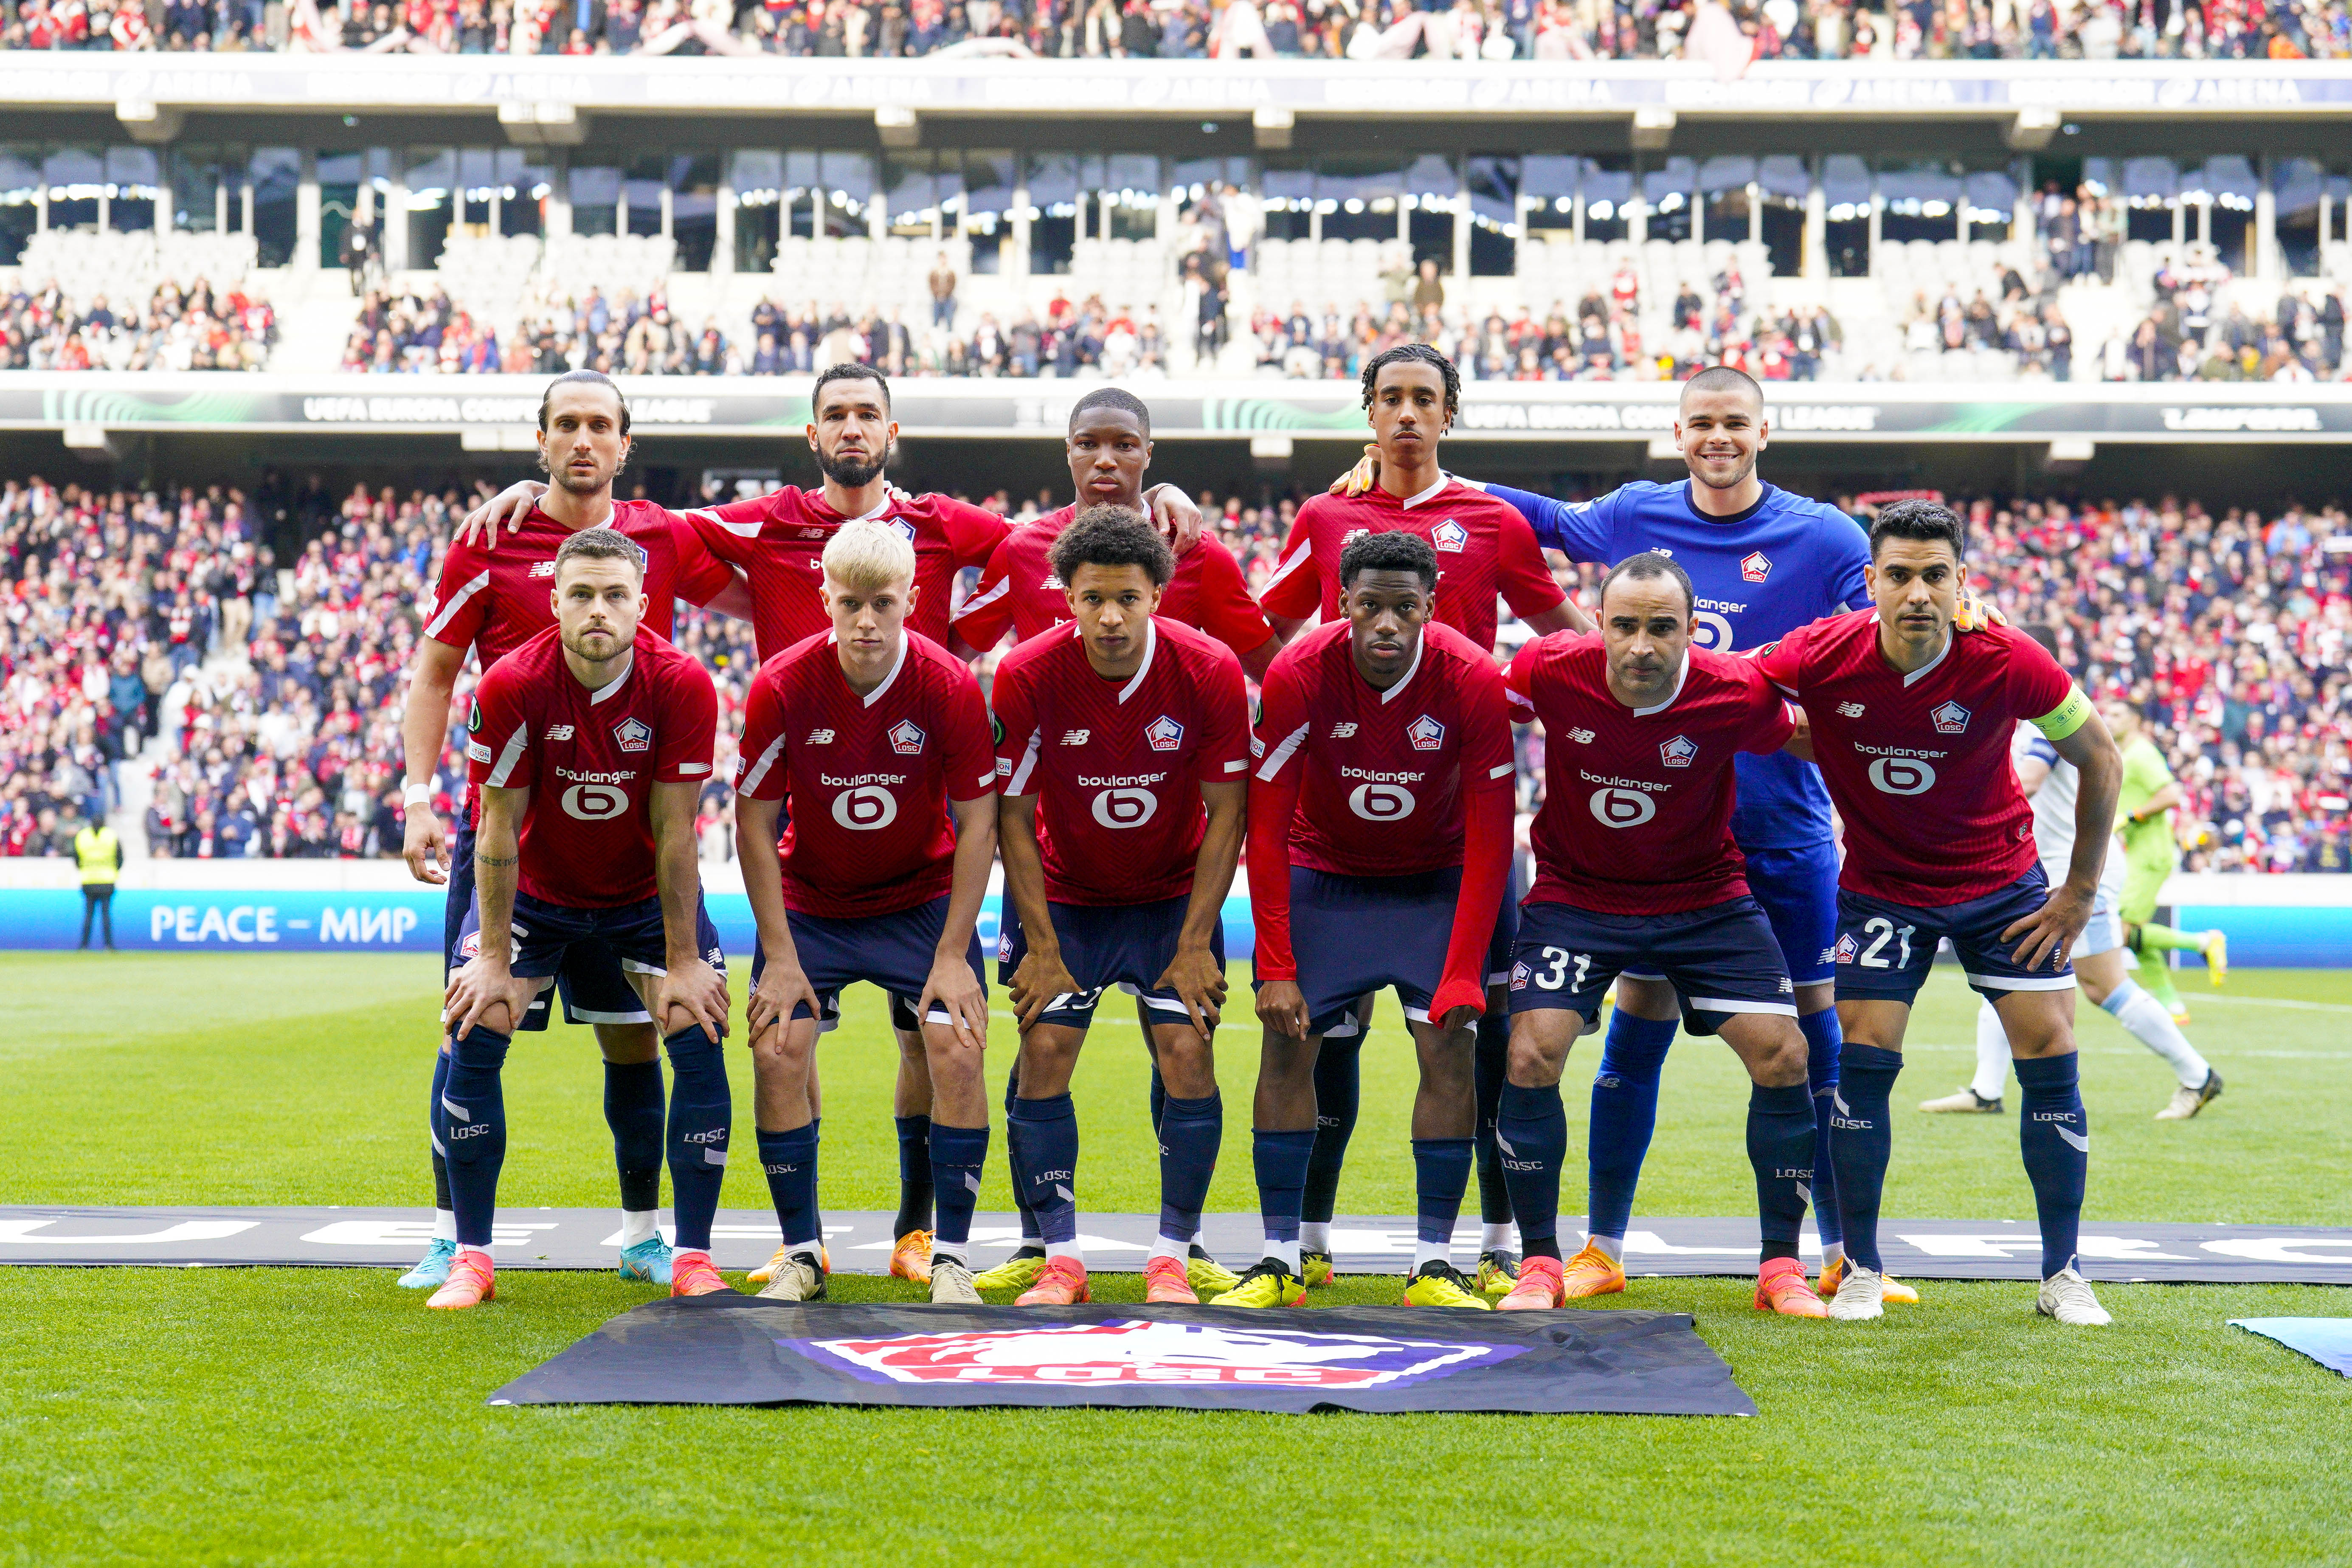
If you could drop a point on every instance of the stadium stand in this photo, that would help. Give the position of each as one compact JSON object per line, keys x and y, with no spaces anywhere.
{"x":1195,"y":29}
{"x":159,"y":654}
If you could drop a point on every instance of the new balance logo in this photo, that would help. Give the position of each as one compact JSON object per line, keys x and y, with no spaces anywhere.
{"x":1850,"y":710}
{"x":1076,"y":737}
{"x":543,"y":568}
{"x":1342,"y":731}
{"x":1054,"y":582}
{"x":559,"y":731}
{"x":1582,"y":737}
{"x":820,"y":738}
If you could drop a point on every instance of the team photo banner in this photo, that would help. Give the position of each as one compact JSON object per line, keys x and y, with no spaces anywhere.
{"x":740,"y":1350}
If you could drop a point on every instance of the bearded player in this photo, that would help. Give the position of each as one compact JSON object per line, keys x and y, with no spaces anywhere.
{"x":1636,"y":868}
{"x":1911,"y":725}
{"x":1381,"y":817}
{"x":1123,"y":748}
{"x":1109,"y":450}
{"x":1412,"y":395}
{"x":590,"y":745}
{"x":489,"y":604}
{"x":778,"y":539}
{"x":877,"y":738}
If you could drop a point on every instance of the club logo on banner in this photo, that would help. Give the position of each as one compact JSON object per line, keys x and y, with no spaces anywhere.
{"x":1137,"y":1351}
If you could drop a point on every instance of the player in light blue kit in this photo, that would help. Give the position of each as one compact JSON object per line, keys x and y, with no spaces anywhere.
{"x":1763,"y":562}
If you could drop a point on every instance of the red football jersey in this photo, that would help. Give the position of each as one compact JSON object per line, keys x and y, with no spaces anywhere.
{"x":1636,"y":818}
{"x":1919,"y":764}
{"x":494,"y":601}
{"x":1118,"y":767}
{"x":1484,"y":548}
{"x":589,"y":759}
{"x":1018,"y":589}
{"x":1382,"y":772}
{"x":869,"y":778}
{"x":779,"y":539}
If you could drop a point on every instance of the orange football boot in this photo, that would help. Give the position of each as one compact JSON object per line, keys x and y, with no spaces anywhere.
{"x":1591,"y":1272}
{"x":1164,"y":1280}
{"x":693,"y":1274}
{"x":472,"y":1281}
{"x":911,"y":1258}
{"x":1062,"y":1284}
{"x":1537,"y":1287}
{"x":1780,"y":1287}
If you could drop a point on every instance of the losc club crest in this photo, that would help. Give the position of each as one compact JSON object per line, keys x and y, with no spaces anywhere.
{"x":1847,"y":949}
{"x":1164,"y":733}
{"x":1756,"y":566}
{"x":1449,"y":536}
{"x":1950,"y":718}
{"x":634,"y":735}
{"x":1137,"y":1351}
{"x":1677,"y":752}
{"x":906,"y":739}
{"x":1425,"y":733}
{"x":905,"y":529}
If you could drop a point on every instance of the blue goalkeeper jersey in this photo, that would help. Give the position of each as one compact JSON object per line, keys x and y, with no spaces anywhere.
{"x":1759,"y":575}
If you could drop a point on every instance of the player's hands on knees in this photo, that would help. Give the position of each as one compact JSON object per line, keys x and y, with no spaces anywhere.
{"x":1282,"y":1007}
{"x":510,"y":507}
{"x":1362,"y":477}
{"x":1198,"y":983}
{"x":693,"y":994}
{"x":783,"y":987}
{"x":954,"y":986}
{"x":1176,"y":516}
{"x":2048,"y":934}
{"x":1461,"y":1017}
{"x":477,"y":994}
{"x":1972,"y":614}
{"x":1041,"y":977}
{"x":425,"y":845}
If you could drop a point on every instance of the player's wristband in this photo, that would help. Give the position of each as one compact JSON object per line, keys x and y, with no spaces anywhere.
{"x":416,"y":794}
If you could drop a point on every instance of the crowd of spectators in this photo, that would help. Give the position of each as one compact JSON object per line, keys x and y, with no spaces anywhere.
{"x":2188,"y":336}
{"x":157,"y":644}
{"x":1196,"y":29}
{"x":195,"y":327}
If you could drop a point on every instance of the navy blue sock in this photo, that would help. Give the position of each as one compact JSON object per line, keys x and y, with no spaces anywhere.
{"x":1624,"y":1114}
{"x":1189,"y":1134}
{"x":1029,"y":1231}
{"x":473,"y":1130}
{"x":633,"y":1110}
{"x":441,"y":1199}
{"x":1822,"y":1042}
{"x":1863,"y":1140}
{"x":790,"y":1160}
{"x":957,"y":1154}
{"x":1158,"y":1095}
{"x":1440,"y":1173}
{"x":702,"y":1117}
{"x":1280,"y":1159}
{"x":1044,"y":1134}
{"x":1487,"y":1059}
{"x":1780,"y":1147}
{"x":914,"y":1175}
{"x":1532,"y":1132}
{"x":1339,"y":1084}
{"x":2054,"y":1137}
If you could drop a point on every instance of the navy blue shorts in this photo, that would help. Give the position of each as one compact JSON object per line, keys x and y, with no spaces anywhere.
{"x":1129,"y":945}
{"x":1722,"y":959}
{"x":1885,"y":949}
{"x":590,"y":980}
{"x":892,"y":950}
{"x":590,"y":953}
{"x":1333,"y":917}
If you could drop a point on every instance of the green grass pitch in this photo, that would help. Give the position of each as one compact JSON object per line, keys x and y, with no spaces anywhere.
{"x":282,"y":1415}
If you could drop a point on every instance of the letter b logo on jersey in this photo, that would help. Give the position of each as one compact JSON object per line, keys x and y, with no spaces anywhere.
{"x":595,"y":803}
{"x":1126,"y":807}
{"x":865,"y":808}
{"x":1380,"y":801}
{"x":1901,"y":776}
{"x":1615,"y":807}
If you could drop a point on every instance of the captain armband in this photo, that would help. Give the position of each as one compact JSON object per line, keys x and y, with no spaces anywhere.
{"x":2067,"y":717}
